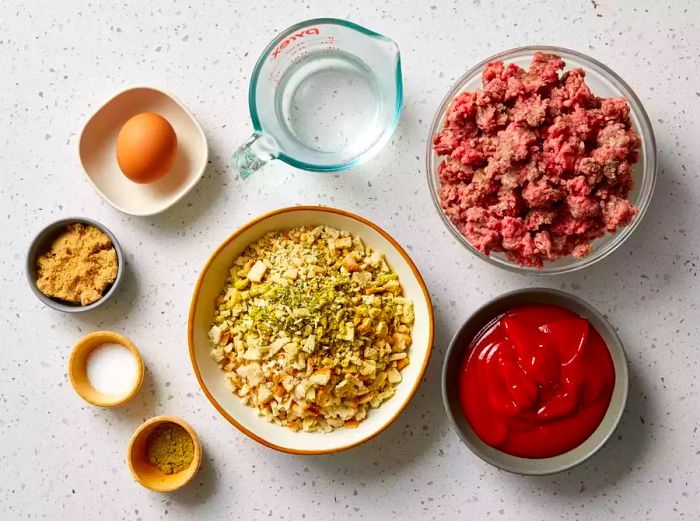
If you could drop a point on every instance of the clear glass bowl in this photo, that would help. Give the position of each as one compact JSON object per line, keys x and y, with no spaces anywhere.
{"x":604,"y":83}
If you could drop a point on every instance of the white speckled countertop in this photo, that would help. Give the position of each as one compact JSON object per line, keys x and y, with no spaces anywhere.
{"x":62,"y":459}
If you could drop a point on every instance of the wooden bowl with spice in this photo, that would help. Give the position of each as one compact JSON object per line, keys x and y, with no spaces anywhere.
{"x":74,"y":264}
{"x":164,"y":454}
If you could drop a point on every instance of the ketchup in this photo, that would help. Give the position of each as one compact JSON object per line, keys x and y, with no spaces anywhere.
{"x":536,"y":382}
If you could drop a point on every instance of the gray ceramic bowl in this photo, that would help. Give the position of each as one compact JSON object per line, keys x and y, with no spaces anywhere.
{"x":464,"y":337}
{"x":42,"y":242}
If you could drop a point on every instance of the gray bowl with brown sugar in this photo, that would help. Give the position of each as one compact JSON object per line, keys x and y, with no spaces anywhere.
{"x":42,"y":243}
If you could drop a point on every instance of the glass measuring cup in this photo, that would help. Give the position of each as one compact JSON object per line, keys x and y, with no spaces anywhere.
{"x":325,"y":95}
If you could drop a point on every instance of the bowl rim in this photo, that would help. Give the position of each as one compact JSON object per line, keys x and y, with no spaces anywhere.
{"x":195,"y":298}
{"x":621,"y":378}
{"x":186,"y":190}
{"x":52,"y":229}
{"x":645,"y":123}
{"x":192,"y":470}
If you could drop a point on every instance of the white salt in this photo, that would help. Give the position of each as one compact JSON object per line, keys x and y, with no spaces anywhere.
{"x":112,"y":369}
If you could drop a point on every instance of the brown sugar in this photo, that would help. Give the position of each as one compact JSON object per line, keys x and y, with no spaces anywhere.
{"x":79,"y":267}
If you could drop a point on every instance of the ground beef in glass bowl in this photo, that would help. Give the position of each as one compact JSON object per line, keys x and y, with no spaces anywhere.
{"x":541,"y":159}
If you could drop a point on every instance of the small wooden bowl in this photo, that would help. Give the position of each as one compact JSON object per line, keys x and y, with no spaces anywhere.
{"x":148,"y":474}
{"x":77,"y":370}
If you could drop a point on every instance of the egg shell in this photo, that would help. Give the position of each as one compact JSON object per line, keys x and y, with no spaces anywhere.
{"x":146,"y":147}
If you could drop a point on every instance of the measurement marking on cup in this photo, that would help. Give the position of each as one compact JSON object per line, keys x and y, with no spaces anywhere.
{"x":301,"y":34}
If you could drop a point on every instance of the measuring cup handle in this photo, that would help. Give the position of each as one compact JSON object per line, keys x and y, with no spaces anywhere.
{"x":254,"y":153}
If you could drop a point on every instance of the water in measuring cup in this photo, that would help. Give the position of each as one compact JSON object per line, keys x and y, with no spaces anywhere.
{"x":329,"y":102}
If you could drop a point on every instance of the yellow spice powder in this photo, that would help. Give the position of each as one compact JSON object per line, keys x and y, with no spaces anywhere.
{"x":170,"y":448}
{"x":79,"y":266}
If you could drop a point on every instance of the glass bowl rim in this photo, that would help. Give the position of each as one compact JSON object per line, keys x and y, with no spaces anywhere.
{"x":646,"y":134}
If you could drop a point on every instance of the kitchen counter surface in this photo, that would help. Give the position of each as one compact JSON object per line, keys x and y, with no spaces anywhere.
{"x":63,"y":459}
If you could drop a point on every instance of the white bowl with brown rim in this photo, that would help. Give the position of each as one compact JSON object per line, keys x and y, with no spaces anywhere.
{"x":212,"y":379}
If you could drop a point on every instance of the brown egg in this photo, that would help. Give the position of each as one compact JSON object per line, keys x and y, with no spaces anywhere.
{"x":146,"y":147}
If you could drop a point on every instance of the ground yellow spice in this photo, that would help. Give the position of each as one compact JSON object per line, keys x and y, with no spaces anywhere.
{"x":170,"y":448}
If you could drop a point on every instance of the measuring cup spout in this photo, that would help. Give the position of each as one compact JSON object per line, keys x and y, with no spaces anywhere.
{"x":254,"y":153}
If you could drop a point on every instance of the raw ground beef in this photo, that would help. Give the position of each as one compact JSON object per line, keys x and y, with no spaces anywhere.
{"x":535,"y":165}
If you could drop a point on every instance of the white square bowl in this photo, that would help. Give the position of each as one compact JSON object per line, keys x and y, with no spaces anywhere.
{"x":97,"y":149}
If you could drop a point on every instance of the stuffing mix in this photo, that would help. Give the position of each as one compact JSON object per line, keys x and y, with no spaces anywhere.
{"x":311,"y":328}
{"x":535,"y":165}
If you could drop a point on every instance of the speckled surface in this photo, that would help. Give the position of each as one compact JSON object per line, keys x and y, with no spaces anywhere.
{"x":60,"y":458}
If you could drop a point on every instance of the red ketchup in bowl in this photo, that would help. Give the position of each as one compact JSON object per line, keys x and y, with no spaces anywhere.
{"x":536,"y":382}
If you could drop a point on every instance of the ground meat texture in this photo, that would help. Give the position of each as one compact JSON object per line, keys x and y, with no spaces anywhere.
{"x":534,"y":165}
